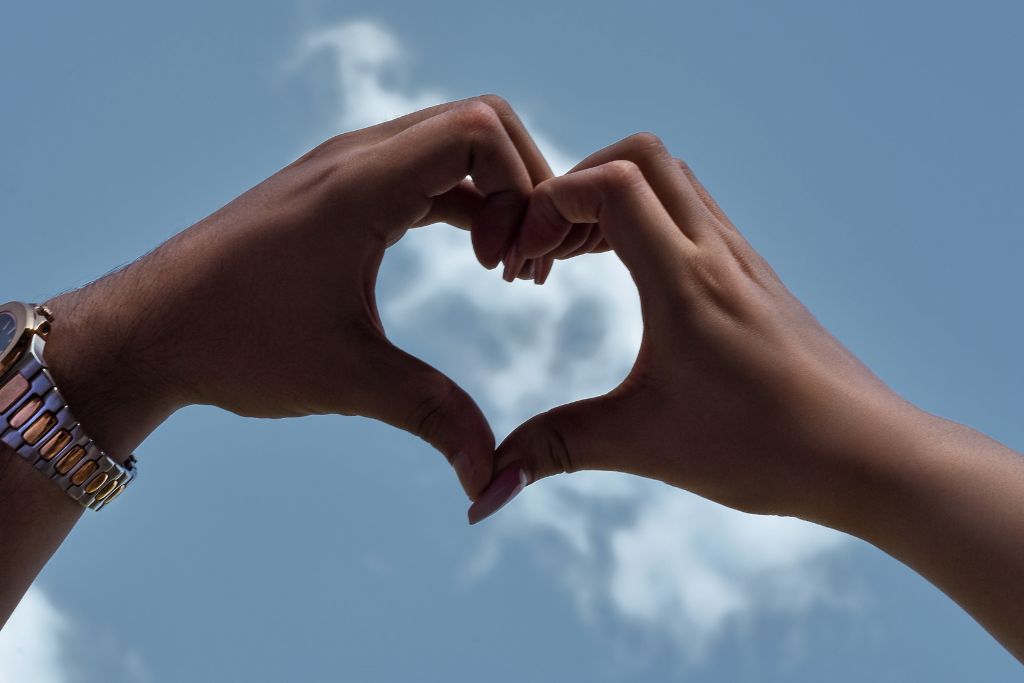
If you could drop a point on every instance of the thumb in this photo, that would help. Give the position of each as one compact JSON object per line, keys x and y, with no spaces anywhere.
{"x":411,"y":395}
{"x":585,"y":435}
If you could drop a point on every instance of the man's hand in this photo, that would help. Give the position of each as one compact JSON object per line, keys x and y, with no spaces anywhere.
{"x":266,"y":308}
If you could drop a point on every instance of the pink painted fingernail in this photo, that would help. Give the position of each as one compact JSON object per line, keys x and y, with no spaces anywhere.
{"x":505,"y":486}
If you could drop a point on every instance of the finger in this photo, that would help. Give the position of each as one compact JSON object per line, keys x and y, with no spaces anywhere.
{"x":546,"y":263}
{"x":485,"y":244}
{"x":579,"y":436}
{"x":409,"y":394}
{"x":594,"y":240}
{"x":536,"y":164}
{"x":578,"y":235}
{"x":528,"y":270}
{"x":617,"y":196}
{"x":459,"y":206}
{"x":665,"y":176}
{"x":439,"y":152}
{"x":456,"y":207}
{"x":667,"y":179}
{"x":535,"y":161}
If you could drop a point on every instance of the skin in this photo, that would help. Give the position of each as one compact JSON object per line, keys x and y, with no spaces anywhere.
{"x":266,"y":308}
{"x":739,"y":395}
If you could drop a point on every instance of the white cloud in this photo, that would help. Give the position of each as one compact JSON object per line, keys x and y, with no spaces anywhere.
{"x":31,"y":642}
{"x":363,"y":53}
{"x":664,"y":560}
{"x":42,"y":644}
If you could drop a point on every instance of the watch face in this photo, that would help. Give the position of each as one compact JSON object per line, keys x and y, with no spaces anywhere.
{"x":8,"y":330}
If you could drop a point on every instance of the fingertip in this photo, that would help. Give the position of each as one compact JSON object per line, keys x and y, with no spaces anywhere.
{"x":528,"y":270}
{"x":508,"y":484}
{"x":546,"y":264}
{"x":514,"y":263}
{"x":488,"y":255}
{"x":494,"y":228}
{"x":488,"y":262}
{"x":462,"y":463}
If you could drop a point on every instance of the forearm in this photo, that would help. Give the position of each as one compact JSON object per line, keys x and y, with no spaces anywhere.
{"x":738,"y":394}
{"x":35,"y":515}
{"x":949,"y":502}
{"x":96,"y":357}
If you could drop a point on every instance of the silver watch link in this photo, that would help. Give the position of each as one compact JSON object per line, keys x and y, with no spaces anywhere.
{"x":36,"y":422}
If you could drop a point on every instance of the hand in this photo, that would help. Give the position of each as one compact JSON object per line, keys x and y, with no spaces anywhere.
{"x":738,"y":393}
{"x":266,"y":308}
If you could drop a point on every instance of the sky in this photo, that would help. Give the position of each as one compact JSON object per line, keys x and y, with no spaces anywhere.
{"x":870,"y":151}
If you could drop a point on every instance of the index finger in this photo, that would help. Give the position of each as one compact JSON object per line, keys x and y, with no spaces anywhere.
{"x":492,"y":223}
{"x":432,"y":159}
{"x":536,"y":165}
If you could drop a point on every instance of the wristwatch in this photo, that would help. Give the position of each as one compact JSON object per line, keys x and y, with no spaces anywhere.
{"x":35,"y":420}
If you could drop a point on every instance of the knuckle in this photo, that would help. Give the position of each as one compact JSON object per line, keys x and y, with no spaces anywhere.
{"x":476,"y":117}
{"x":547,"y":219}
{"x":621,"y":174}
{"x":545,"y":189}
{"x":496,"y":102}
{"x":328,"y":149}
{"x":544,"y":193}
{"x":554,"y":448}
{"x":720,"y":281}
{"x":429,"y":416}
{"x":647,"y":144}
{"x":575,"y":239}
{"x":339,"y":140}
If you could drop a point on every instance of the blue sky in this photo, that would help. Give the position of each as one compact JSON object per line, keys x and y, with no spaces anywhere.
{"x":870,"y":151}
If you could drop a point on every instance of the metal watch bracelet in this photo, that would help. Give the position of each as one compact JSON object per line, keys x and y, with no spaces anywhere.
{"x":35,"y":422}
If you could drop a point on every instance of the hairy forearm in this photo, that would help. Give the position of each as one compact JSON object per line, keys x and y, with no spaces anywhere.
{"x":35,"y":515}
{"x":95,"y":357}
{"x":949,"y":502}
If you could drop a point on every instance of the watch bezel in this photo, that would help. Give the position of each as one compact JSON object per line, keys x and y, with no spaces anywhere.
{"x":23,"y":317}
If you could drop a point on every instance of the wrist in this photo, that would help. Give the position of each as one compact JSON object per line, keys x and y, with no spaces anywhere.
{"x":875,"y":469}
{"x":114,"y":395}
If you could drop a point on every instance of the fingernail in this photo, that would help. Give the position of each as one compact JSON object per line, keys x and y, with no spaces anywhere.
{"x":506,"y":486}
{"x":511,"y":263}
{"x":528,"y":270}
{"x":545,"y":270}
{"x":463,"y":466}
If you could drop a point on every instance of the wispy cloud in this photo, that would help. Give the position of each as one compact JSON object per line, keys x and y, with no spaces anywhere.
{"x":659,"y":558}
{"x":43,"y":644}
{"x":31,"y":644}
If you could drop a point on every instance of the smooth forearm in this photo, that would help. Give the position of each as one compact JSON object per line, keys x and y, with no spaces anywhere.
{"x":949,"y":502}
{"x":738,"y":394}
{"x":35,"y":517}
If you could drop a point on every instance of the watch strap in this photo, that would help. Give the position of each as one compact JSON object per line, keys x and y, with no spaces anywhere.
{"x":36,"y":422}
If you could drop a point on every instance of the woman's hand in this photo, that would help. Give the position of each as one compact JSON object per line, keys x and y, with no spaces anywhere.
{"x":738,"y":393}
{"x":267,"y":309}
